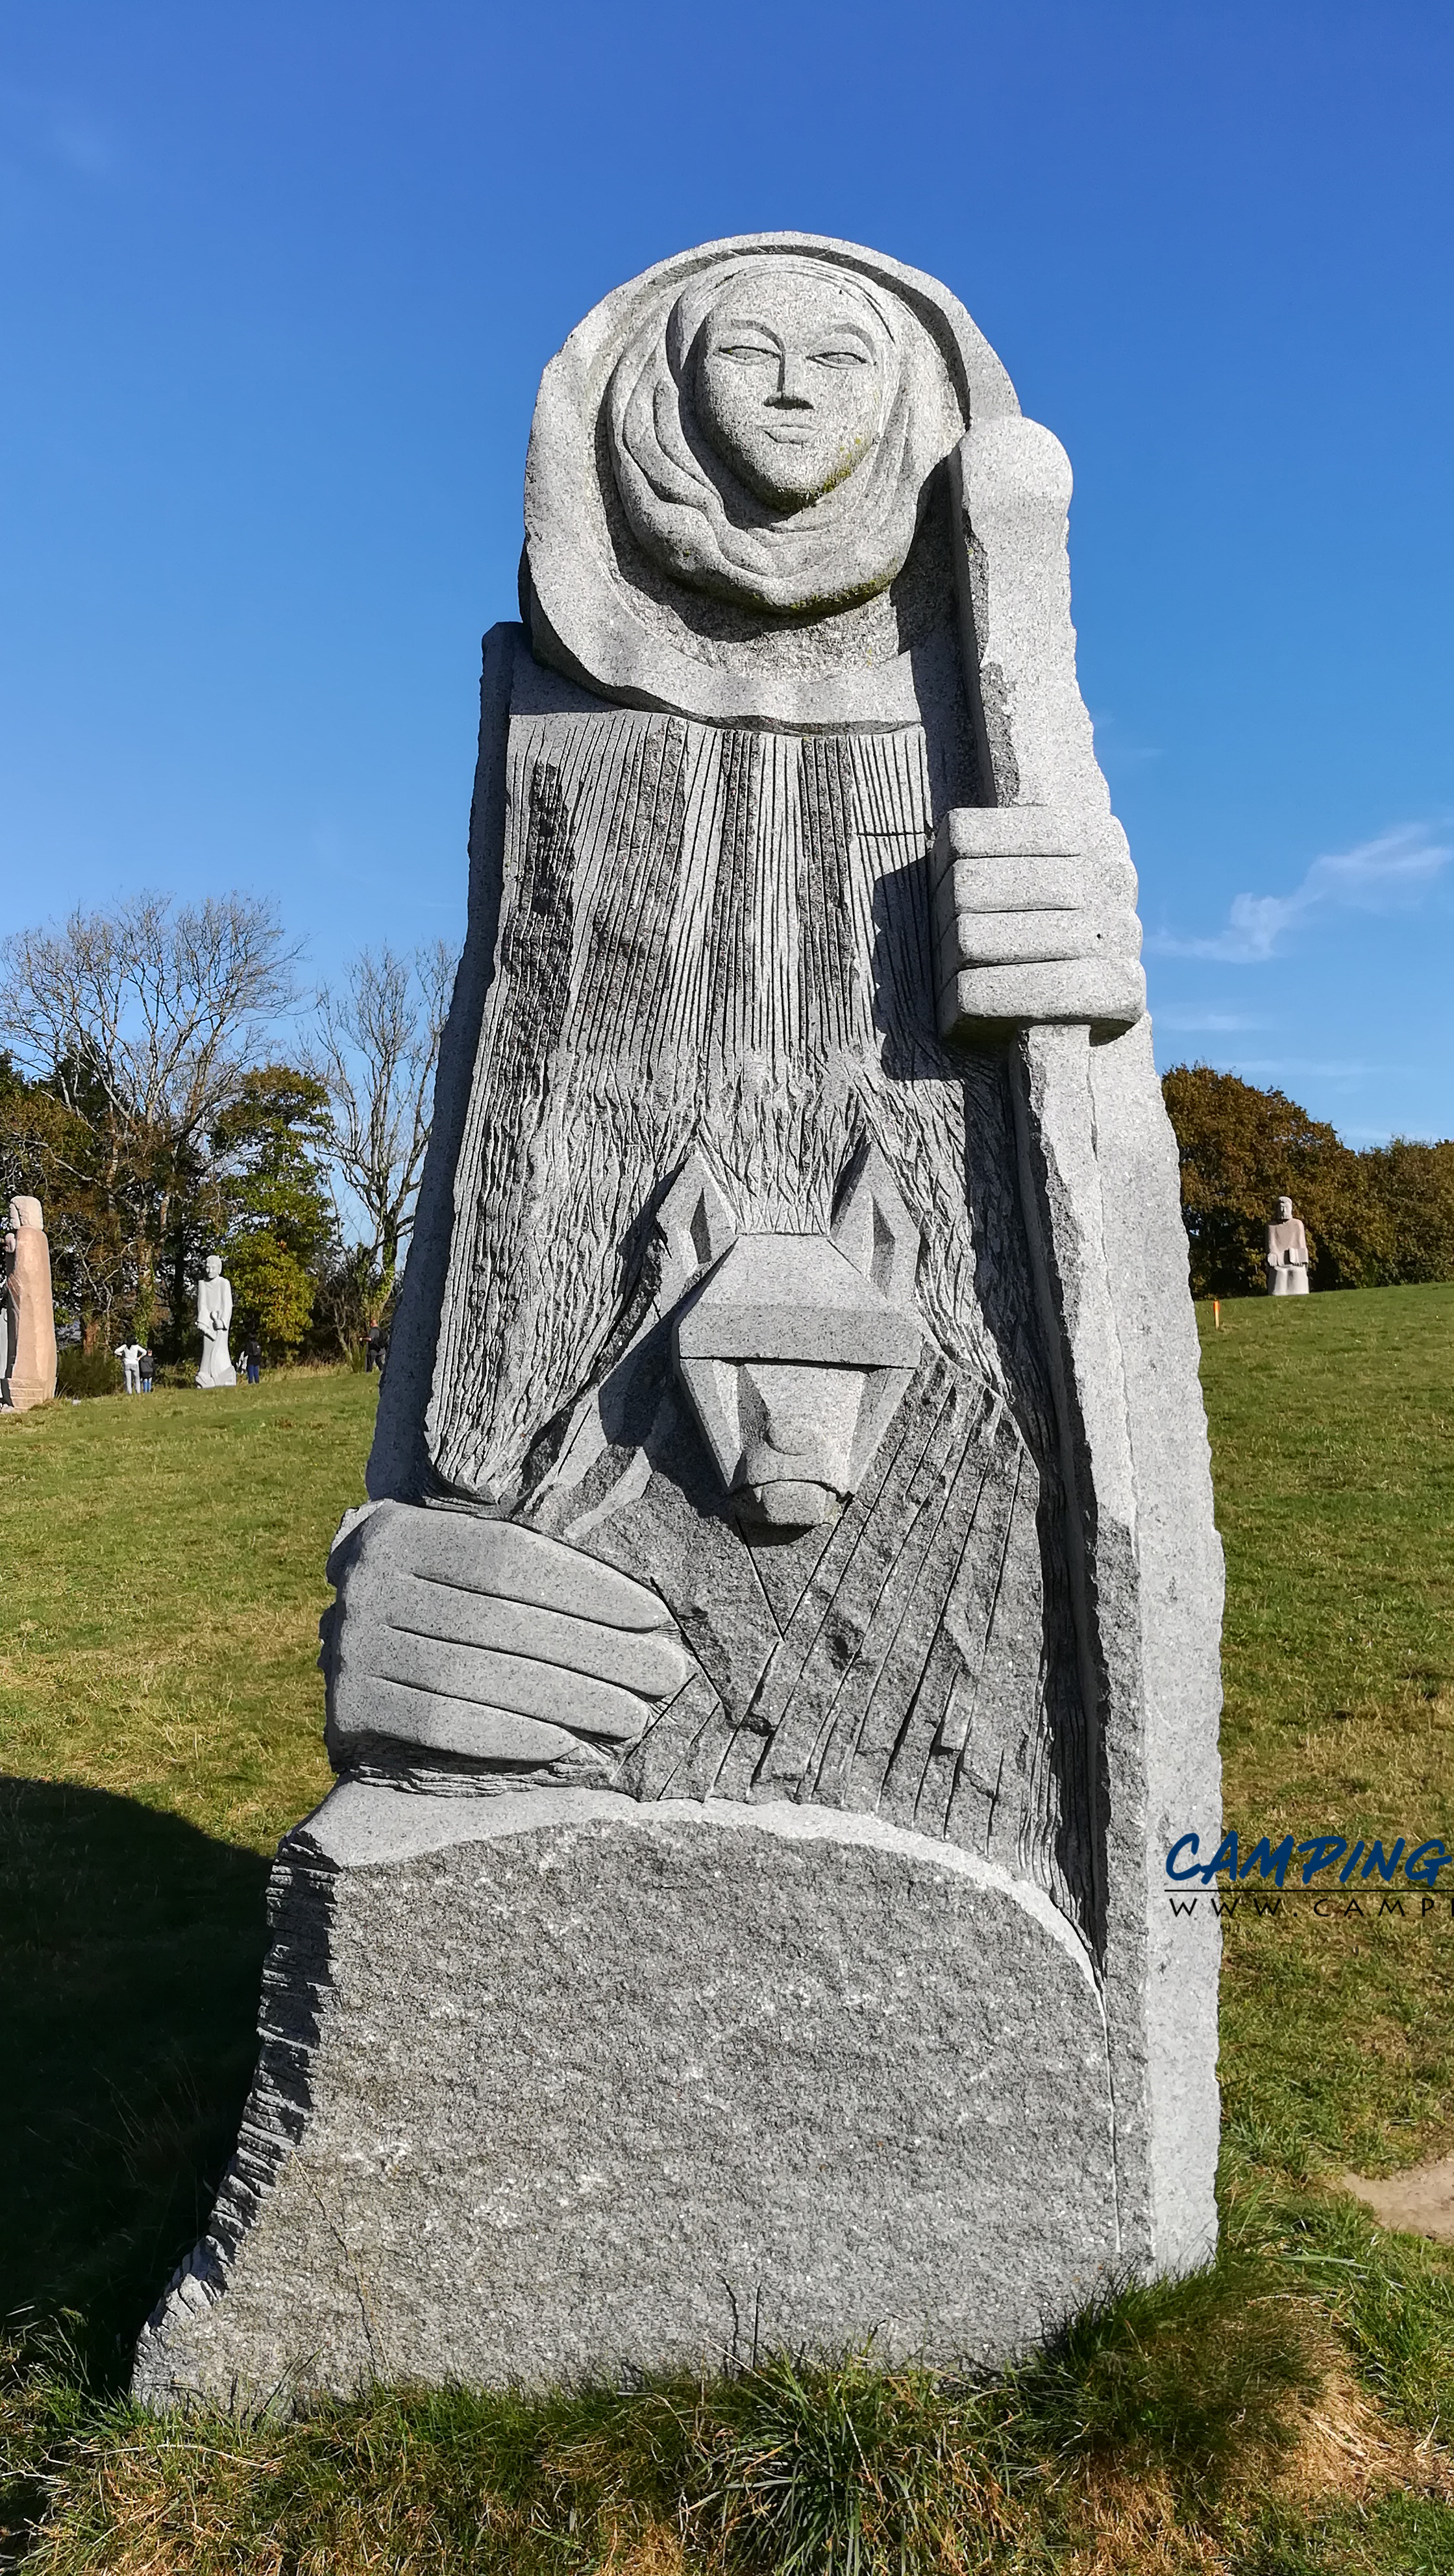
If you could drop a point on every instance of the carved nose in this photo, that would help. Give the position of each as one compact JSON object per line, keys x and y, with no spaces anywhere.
{"x":792,"y":388}
{"x":792,"y":1435}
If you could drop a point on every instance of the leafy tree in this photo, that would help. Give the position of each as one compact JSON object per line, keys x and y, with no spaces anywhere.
{"x":349,"y":1298}
{"x":270,"y":1189}
{"x":1411,"y":1186}
{"x":272,"y":1293}
{"x":270,"y":1147}
{"x":49,"y":1152}
{"x":1240,"y":1149}
{"x":1384,"y":1217}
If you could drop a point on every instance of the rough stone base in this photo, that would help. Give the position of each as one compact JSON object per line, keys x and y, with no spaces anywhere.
{"x":555,"y":2083}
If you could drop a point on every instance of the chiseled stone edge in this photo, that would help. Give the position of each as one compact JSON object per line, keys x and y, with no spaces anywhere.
{"x":399,"y":1466}
{"x":364,"y":1825}
{"x":296,"y":1982}
{"x":1108,"y":1196}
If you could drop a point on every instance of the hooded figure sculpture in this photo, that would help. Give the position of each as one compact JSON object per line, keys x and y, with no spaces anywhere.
{"x":783,"y":1638}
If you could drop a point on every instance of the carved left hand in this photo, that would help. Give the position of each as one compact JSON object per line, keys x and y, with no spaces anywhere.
{"x":1028,"y":928}
{"x":481,"y":1638}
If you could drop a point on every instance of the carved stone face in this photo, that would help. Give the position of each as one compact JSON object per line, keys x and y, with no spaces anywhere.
{"x":773,"y":434}
{"x":794,"y":1349}
{"x":1284,"y":1211}
{"x":214,"y":1265}
{"x":790,"y":379}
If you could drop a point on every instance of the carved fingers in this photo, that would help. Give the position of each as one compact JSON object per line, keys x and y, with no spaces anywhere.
{"x":481,"y":1638}
{"x":1029,"y":927}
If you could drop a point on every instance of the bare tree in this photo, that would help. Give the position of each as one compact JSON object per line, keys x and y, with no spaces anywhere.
{"x":377,"y":1045}
{"x":141,"y":1020}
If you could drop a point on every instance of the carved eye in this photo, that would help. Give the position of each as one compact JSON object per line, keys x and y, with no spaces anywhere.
{"x":839,"y":358}
{"x":746,"y":352}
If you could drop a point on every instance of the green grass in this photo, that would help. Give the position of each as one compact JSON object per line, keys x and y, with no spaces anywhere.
{"x":1281,"y":2415}
{"x":1332,"y":1425}
{"x":160,"y":1726}
{"x":164,"y":1580}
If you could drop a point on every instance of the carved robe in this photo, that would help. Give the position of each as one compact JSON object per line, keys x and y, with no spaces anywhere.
{"x":719,"y":940}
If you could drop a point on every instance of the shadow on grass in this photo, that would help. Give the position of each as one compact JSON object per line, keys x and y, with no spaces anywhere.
{"x":132,"y":1949}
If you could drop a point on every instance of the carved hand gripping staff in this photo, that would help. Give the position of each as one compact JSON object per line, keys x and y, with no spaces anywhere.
{"x":787,"y":1613}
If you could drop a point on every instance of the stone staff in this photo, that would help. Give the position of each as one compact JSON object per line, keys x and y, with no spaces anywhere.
{"x":1099,"y":1182}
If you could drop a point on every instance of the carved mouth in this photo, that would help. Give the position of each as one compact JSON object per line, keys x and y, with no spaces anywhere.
{"x":787,"y":1483}
{"x":787,"y":1502}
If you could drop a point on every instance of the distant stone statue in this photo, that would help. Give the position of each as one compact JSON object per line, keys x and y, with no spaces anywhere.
{"x":1287,"y":1253}
{"x":27,"y":1320}
{"x":214,"y":1318}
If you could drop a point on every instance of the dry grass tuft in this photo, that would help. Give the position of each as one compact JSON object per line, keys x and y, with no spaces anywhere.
{"x":1148,"y":2437}
{"x":1344,"y":2456}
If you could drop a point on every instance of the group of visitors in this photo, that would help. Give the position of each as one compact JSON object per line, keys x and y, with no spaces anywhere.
{"x":137,"y":1362}
{"x":136,"y":1367}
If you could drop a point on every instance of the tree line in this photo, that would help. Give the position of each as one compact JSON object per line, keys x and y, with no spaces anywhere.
{"x":1382,"y":1217}
{"x":146,"y":1102}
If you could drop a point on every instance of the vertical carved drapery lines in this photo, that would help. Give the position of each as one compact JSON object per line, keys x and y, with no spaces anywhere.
{"x":769,"y":895}
{"x":717,"y":941}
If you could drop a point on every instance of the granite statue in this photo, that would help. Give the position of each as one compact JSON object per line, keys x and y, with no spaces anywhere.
{"x":214,"y":1323}
{"x":782,"y":1636}
{"x":27,"y":1314}
{"x":1287,"y":1253}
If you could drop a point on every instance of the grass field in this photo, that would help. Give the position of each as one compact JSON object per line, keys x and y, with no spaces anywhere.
{"x":161,"y":1723}
{"x":160,"y":1718}
{"x":1332,"y":1424}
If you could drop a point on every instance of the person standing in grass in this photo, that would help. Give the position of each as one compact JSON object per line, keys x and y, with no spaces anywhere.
{"x":144,"y":1363}
{"x":252,"y":1355}
{"x":129,"y":1354}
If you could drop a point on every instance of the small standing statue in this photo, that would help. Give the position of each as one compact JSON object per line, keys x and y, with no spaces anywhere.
{"x":27,"y":1317}
{"x":1287,"y":1253}
{"x":214,"y":1317}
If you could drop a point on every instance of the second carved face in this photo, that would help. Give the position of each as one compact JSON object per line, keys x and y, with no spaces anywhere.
{"x":794,"y":1349}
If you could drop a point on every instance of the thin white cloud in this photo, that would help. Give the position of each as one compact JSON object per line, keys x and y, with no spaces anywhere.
{"x":1387,"y":874}
{"x":1120,"y":750}
{"x":1194,"y":1022}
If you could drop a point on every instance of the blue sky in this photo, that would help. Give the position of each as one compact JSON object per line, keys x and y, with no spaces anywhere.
{"x":278,"y":283}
